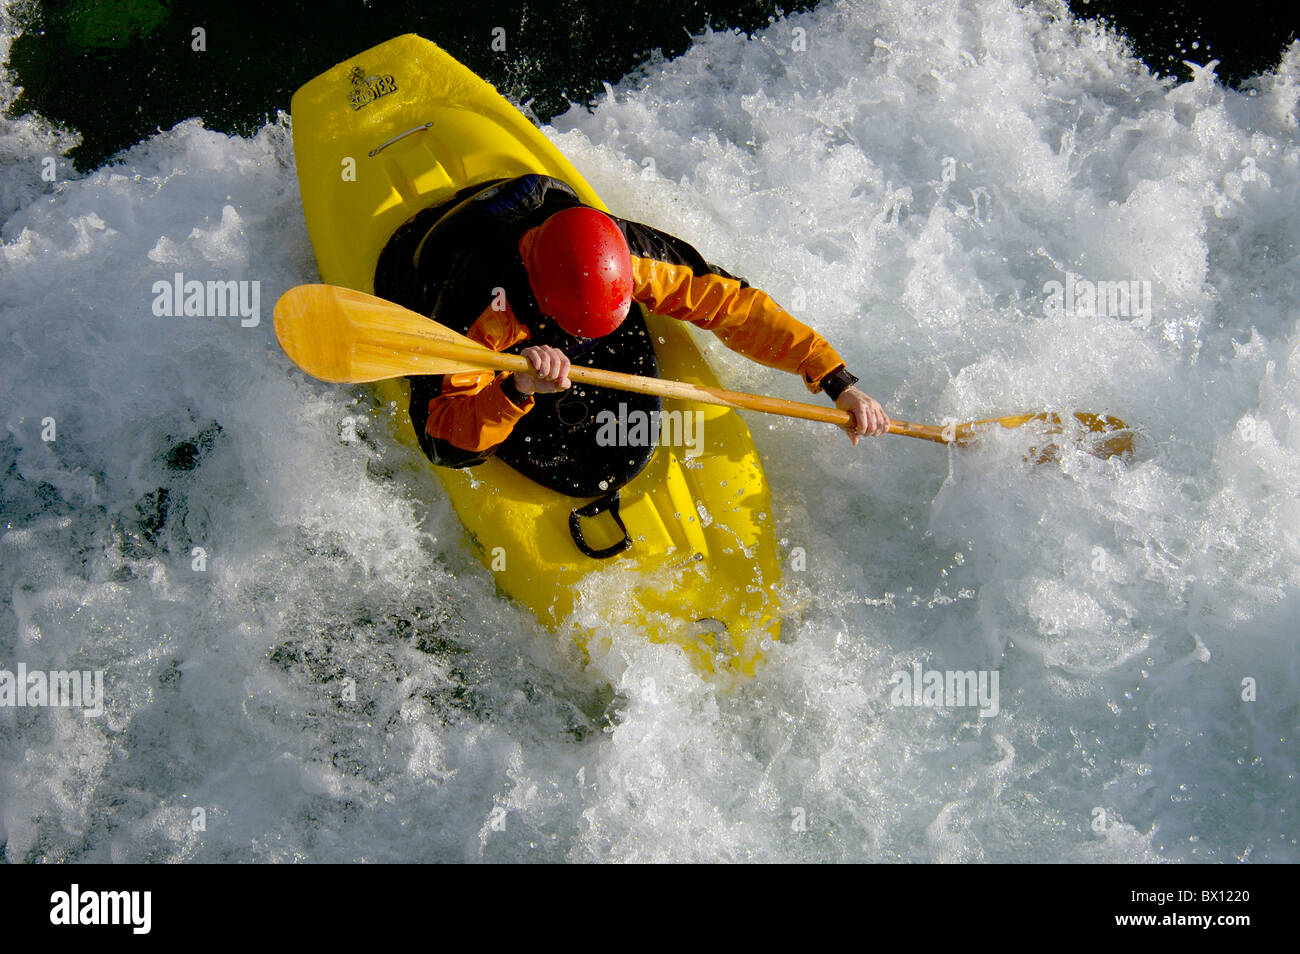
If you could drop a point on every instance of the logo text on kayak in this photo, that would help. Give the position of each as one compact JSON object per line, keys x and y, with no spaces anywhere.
{"x":1080,"y":297}
{"x":75,"y":906}
{"x":368,"y":88}
{"x":211,"y":299}
{"x":59,"y":688}
{"x":946,"y":689}
{"x":637,"y":428}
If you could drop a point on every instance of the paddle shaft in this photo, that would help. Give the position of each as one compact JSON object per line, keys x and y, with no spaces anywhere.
{"x":699,"y":393}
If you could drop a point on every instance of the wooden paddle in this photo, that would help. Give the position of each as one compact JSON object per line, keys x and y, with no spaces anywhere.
{"x":345,"y":336}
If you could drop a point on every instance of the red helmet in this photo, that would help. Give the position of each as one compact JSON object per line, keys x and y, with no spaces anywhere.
{"x":580,"y":270}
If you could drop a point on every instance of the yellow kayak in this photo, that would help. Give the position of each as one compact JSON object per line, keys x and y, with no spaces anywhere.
{"x":403,"y":127}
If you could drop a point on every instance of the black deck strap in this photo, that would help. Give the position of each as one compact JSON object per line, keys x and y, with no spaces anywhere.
{"x":595,"y":508}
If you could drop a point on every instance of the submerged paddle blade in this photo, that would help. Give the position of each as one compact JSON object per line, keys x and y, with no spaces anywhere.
{"x":344,"y":336}
{"x":1102,"y":436}
{"x":1108,"y":437}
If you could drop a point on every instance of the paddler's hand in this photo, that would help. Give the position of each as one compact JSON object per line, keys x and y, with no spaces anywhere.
{"x":550,"y":371}
{"x":869,"y":418}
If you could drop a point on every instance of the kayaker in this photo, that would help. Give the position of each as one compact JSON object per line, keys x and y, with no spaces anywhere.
{"x":523,"y":266}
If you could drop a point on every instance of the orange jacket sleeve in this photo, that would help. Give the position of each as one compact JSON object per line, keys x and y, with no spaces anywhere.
{"x":472,"y":412}
{"x":746,"y":319}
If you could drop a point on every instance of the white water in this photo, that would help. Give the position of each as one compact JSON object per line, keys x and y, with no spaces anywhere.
{"x":1122,"y":606}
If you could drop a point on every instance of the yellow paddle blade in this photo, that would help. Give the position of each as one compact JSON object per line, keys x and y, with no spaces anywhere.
{"x":1103,"y":435}
{"x":344,"y":336}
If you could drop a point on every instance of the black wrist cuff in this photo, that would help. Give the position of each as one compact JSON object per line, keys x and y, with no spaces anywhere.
{"x":512,"y":392}
{"x":835,"y":383}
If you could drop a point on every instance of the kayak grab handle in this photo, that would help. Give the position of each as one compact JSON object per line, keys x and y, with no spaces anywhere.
{"x":595,"y":508}
{"x":382,"y":146}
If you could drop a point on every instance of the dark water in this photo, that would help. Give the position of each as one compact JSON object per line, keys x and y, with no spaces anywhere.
{"x":1246,"y":38}
{"x":117,"y":70}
